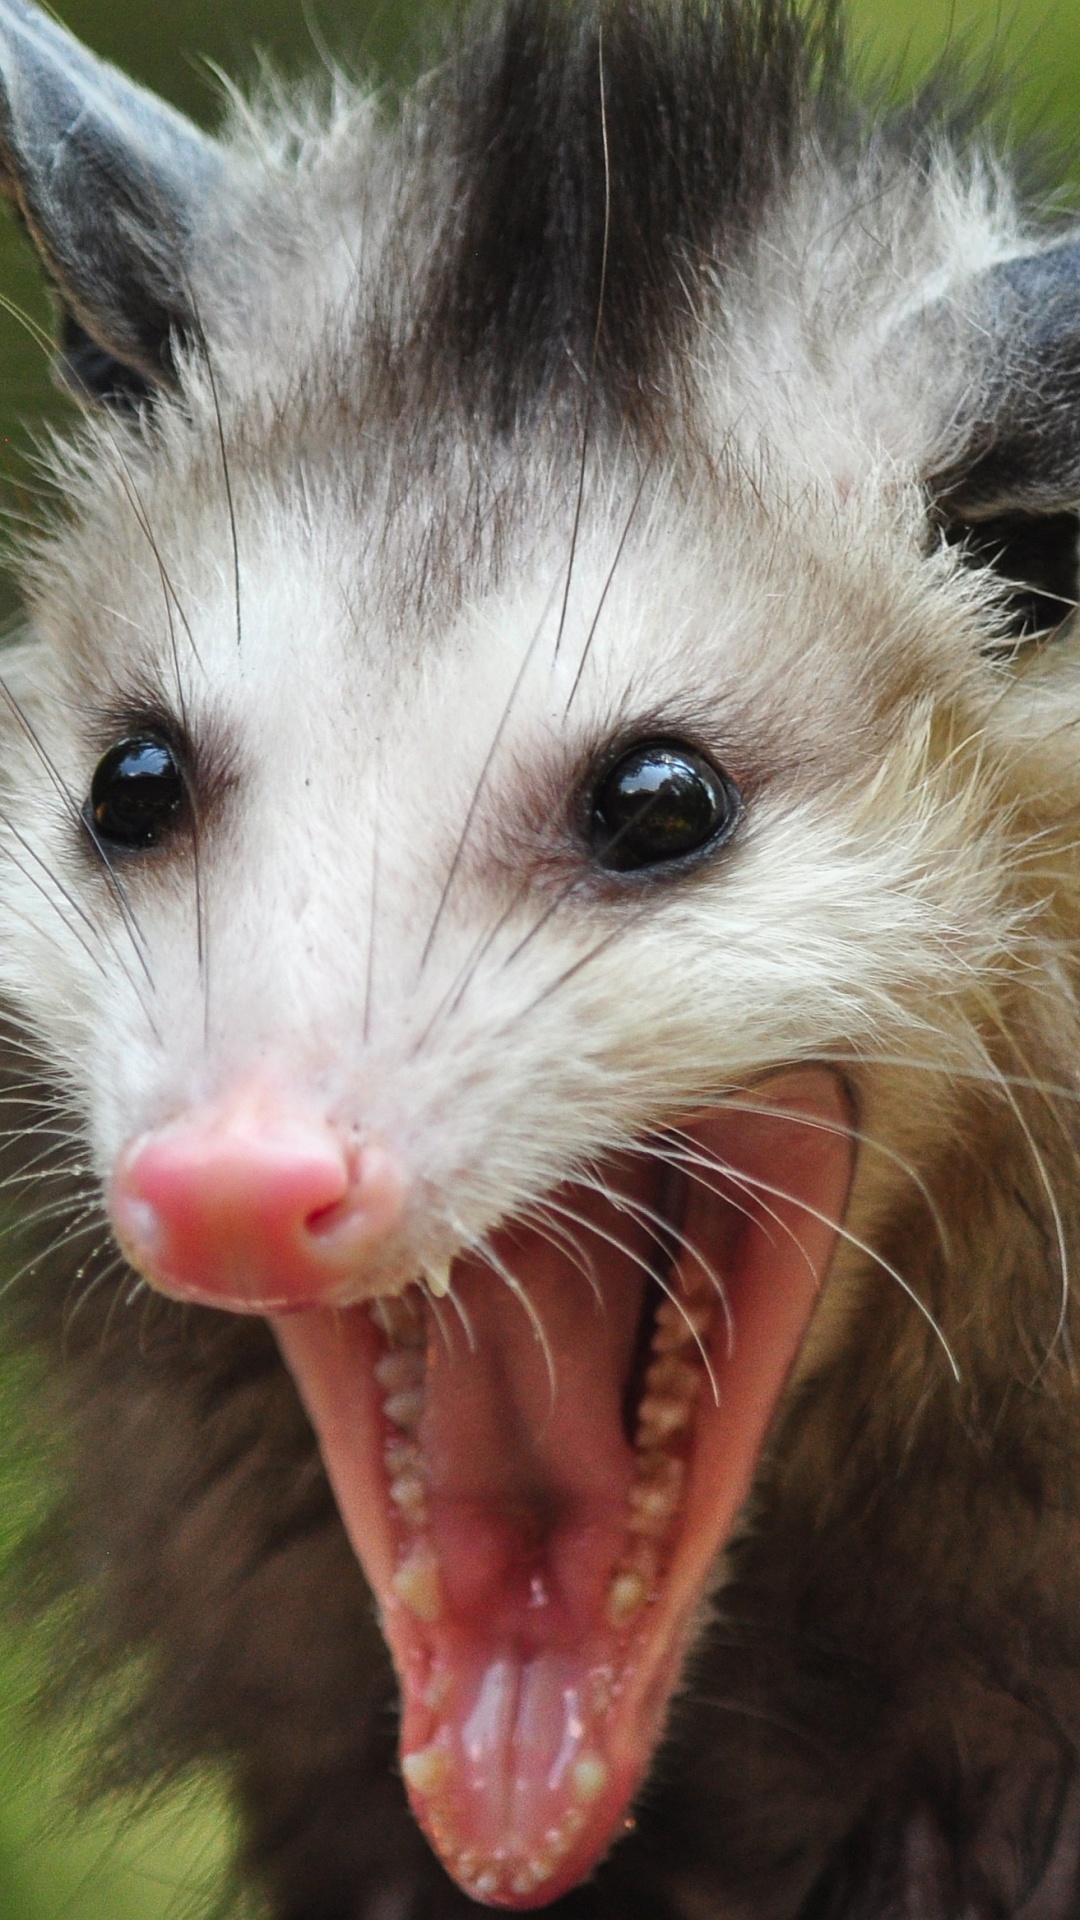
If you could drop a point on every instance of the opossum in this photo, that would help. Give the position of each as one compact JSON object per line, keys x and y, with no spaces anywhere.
{"x":539,"y":902}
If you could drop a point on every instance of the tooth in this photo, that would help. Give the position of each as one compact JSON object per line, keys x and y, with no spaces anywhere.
{"x":700,"y":1289}
{"x":678,"y":1326}
{"x":427,"y":1769}
{"x":409,"y":1494}
{"x":401,"y":1320}
{"x":417,"y":1584}
{"x":442,"y":1838}
{"x":648,"y":1521}
{"x":589,"y":1777}
{"x":660,"y":1472}
{"x":672,"y":1377}
{"x":402,"y":1456}
{"x":437,"y":1275}
{"x":652,"y":1508}
{"x":485,"y":1884}
{"x":660,"y":1418}
{"x":627,"y":1595}
{"x":438,"y":1691}
{"x":400,"y":1369}
{"x":406,"y":1410}
{"x":533,"y":1874}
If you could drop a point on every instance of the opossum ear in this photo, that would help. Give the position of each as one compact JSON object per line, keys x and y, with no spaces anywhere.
{"x":1022,"y":436}
{"x":108,"y":181}
{"x":1011,"y":494}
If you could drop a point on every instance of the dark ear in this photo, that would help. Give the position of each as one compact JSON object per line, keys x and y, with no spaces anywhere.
{"x":1011,"y":496}
{"x":110,"y":182}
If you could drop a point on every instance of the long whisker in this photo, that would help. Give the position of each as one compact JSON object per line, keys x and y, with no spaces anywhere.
{"x":1043,"y":1175}
{"x":608,"y":582}
{"x":93,"y":1285}
{"x":373,"y":911}
{"x":563,"y":1241}
{"x":654,"y":1270}
{"x":89,"y":1219}
{"x":80,"y":821}
{"x":858,"y":1135}
{"x":562,"y":980}
{"x":590,"y":387}
{"x":510,"y":1279}
{"x":754,"y":1184}
{"x":481,"y":781}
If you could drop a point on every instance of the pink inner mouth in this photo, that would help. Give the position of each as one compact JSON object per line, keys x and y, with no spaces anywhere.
{"x":538,"y":1474}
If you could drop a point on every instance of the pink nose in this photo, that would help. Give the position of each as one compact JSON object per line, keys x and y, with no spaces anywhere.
{"x":256,"y":1204}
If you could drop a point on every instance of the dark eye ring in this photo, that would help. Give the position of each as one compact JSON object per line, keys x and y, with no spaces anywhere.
{"x":660,"y":802}
{"x":137,"y":792}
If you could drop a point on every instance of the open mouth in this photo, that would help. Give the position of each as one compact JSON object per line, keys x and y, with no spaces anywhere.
{"x":538,"y":1472}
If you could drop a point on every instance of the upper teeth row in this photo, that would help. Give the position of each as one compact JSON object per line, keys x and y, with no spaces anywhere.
{"x":673,"y":1382}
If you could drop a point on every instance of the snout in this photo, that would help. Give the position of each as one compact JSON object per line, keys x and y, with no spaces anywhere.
{"x":257,"y":1203}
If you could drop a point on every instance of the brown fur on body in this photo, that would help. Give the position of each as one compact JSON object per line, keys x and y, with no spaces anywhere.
{"x":881,"y":1718}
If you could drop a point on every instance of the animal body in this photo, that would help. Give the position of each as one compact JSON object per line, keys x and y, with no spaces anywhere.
{"x":539,"y":904}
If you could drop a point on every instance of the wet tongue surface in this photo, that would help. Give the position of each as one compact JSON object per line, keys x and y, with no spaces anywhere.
{"x":537,"y":1499}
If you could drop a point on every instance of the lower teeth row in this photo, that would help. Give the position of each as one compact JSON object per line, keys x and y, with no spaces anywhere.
{"x":673,"y":1382}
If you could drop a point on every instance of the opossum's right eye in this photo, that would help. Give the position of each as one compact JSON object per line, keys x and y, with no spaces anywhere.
{"x":137,"y":792}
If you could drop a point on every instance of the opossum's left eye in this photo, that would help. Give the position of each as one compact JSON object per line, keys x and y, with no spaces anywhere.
{"x":660,"y":802}
{"x":137,"y":792}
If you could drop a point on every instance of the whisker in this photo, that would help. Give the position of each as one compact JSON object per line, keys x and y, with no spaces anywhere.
{"x":481,"y":782}
{"x":608,"y":582}
{"x":590,"y":386}
{"x":462,"y":1314}
{"x":1043,"y":1175}
{"x":369,"y":977}
{"x":520,"y":1294}
{"x":858,"y":1135}
{"x":79,"y":820}
{"x":755,"y":1184}
{"x":88,"y":1220}
{"x":653,"y":1270}
{"x":87,"y":1292}
{"x":562,"y":1241}
{"x":561,"y":980}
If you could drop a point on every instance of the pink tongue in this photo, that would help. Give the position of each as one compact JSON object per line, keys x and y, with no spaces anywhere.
{"x":511,"y":1789}
{"x":531,"y":1701}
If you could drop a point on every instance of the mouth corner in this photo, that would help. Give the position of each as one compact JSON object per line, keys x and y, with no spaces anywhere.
{"x":539,"y":1472}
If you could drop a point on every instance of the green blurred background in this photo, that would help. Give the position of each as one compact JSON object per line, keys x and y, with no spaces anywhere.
{"x":122,"y":1862}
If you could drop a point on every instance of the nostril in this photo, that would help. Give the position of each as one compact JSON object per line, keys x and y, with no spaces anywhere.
{"x":371,"y":1206}
{"x":321,"y":1221}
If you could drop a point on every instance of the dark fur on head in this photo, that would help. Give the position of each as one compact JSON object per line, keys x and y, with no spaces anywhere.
{"x":607,"y":161}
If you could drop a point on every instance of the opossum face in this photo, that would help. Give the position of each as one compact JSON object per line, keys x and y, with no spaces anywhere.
{"x":461,"y":854}
{"x":539,"y":1248}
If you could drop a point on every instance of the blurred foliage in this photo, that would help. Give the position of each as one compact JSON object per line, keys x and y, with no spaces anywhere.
{"x":160,"y":1864}
{"x":113,"y":1862}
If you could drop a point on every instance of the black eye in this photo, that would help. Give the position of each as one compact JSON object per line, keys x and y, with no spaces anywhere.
{"x":661,"y":801}
{"x":136,"y":793}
